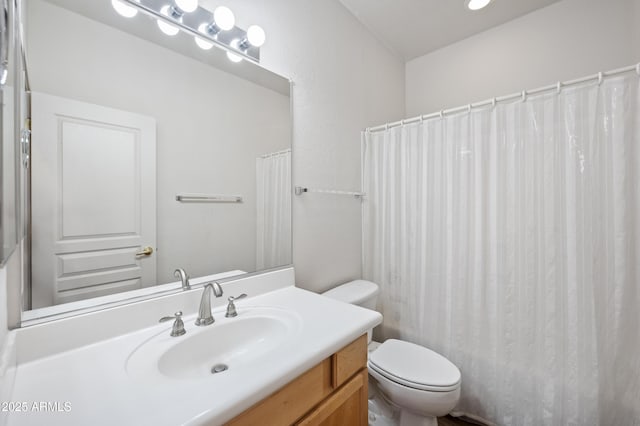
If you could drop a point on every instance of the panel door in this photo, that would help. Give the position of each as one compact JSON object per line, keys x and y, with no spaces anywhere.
{"x":93,"y":200}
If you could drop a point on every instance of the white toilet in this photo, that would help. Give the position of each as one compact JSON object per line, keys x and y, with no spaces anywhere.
{"x":419,"y":382}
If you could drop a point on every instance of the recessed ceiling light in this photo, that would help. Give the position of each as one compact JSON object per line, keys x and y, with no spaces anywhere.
{"x":477,"y":4}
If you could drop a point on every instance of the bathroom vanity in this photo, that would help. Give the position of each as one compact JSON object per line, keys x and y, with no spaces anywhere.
{"x":291,"y":357}
{"x":334,"y":391}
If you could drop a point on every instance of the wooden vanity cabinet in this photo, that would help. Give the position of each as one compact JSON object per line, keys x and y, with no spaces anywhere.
{"x":332,"y":393}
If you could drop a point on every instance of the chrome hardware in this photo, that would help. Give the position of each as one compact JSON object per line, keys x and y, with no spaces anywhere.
{"x":147,"y":251}
{"x":203,"y":198}
{"x":299,"y":190}
{"x":184,"y":278}
{"x":204,"y":313}
{"x":231,"y":307}
{"x":178,"y":325}
{"x":25,"y":142}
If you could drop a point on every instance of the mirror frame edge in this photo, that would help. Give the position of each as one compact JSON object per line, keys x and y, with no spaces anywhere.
{"x":14,"y":261}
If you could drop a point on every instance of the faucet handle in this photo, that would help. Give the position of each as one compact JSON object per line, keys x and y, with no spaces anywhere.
{"x":178,"y":324}
{"x":231,"y":307}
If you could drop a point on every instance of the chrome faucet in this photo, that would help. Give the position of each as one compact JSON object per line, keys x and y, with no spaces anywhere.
{"x":204,"y":314}
{"x":231,"y":307}
{"x":180,"y":273}
{"x":178,"y":325}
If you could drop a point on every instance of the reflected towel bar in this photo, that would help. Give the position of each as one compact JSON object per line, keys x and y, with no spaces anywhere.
{"x":299,"y":190}
{"x":201,"y":198}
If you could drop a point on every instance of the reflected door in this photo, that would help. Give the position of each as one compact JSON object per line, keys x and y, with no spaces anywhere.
{"x":93,"y":200}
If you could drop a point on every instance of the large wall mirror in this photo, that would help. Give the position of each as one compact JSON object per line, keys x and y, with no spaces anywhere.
{"x":148,"y":154}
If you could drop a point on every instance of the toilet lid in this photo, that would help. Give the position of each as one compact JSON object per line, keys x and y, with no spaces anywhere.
{"x":414,"y":366}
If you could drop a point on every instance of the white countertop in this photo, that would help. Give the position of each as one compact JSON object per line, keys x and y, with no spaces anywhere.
{"x":94,"y":382}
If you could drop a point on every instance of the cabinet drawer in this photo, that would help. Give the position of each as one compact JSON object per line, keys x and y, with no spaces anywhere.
{"x":345,"y":406}
{"x":348,"y":361}
{"x":314,"y":389}
{"x":292,"y":401}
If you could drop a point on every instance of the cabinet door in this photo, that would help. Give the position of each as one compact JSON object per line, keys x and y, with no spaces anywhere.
{"x":346,"y":406}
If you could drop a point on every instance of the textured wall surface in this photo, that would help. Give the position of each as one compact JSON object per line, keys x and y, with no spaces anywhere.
{"x":567,"y":40}
{"x":345,"y":80}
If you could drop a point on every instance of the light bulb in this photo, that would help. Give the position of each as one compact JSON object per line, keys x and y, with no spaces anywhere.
{"x":187,"y":5}
{"x":201,"y":42}
{"x":124,"y":9}
{"x":223,"y":18}
{"x":256,"y":36}
{"x":232,"y":56}
{"x":477,"y":4}
{"x":168,"y":29}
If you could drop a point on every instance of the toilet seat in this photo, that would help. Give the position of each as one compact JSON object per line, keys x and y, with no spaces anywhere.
{"x":414,"y":366}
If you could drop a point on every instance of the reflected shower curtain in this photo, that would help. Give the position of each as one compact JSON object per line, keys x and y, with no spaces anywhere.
{"x":508,"y":239}
{"x":273,"y":224}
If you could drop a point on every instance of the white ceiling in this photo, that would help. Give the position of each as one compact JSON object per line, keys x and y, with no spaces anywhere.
{"x":413,"y":28}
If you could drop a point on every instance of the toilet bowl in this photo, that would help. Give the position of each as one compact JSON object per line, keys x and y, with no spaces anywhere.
{"x":419,"y":382}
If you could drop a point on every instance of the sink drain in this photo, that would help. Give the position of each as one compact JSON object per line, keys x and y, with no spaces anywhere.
{"x":219,"y":368}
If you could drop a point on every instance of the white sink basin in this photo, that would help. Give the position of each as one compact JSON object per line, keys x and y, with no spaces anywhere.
{"x":226,"y":345}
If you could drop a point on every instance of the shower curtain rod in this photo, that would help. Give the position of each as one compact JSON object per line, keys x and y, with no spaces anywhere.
{"x":523,"y":95}
{"x":275,"y":154}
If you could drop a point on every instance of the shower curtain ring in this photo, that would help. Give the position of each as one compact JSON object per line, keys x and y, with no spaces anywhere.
{"x":493,"y":102}
{"x":441,"y":114}
{"x":524,"y":96}
{"x":600,"y":77}
{"x":559,"y":87}
{"x":638,"y":68}
{"x":469,"y":109}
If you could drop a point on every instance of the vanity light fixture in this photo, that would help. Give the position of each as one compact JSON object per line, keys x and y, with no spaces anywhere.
{"x":235,"y":44}
{"x":124,"y":9}
{"x":255,"y":37}
{"x":187,"y":6}
{"x":200,"y":41}
{"x":176,"y":11}
{"x":166,"y":28}
{"x":209,"y":28}
{"x":476,"y":4}
{"x":223,"y":20}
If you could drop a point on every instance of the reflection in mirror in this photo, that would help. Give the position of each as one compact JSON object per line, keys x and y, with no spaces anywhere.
{"x":8,"y":204}
{"x":126,"y":121}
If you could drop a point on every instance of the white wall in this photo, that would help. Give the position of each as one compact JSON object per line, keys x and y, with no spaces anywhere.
{"x":3,"y":305}
{"x":345,"y":80}
{"x":569,"y":39}
{"x":636,"y":27}
{"x":211,"y":126}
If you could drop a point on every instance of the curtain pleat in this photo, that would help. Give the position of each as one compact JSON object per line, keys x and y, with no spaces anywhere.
{"x":273,"y":239}
{"x":506,"y":238}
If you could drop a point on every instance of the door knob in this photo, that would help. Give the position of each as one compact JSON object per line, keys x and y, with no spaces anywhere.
{"x":147,"y":251}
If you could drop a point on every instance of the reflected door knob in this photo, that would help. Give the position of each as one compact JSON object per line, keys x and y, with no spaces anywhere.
{"x":147,"y":251}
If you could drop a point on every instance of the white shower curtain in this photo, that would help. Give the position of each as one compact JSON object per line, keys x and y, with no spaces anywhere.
{"x":508,"y":239}
{"x":273,"y":225}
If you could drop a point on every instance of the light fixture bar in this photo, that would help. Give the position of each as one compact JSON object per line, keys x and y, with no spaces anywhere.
{"x":190,"y":22}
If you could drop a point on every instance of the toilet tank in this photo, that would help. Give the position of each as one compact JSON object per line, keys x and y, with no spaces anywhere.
{"x":359,"y":292}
